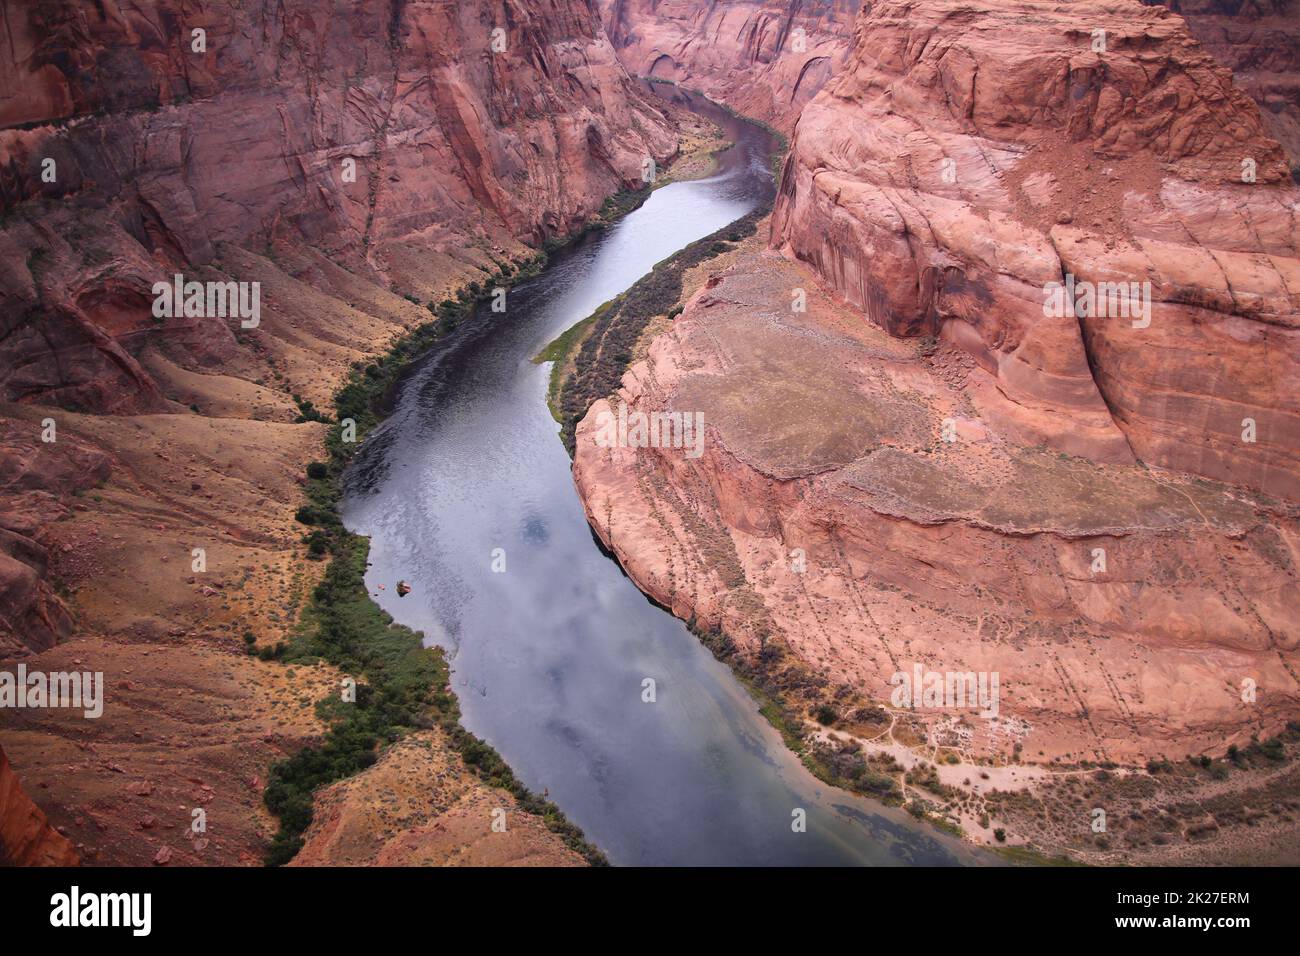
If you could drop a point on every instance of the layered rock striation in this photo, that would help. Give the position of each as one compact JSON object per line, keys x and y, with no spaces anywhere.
{"x":916,"y":457}
{"x":139,"y":138}
{"x":1259,"y":40}
{"x":765,"y":58}
{"x":973,"y":156}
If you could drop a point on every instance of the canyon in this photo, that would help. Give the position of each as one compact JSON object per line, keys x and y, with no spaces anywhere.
{"x":913,"y":465}
{"x":912,"y":460}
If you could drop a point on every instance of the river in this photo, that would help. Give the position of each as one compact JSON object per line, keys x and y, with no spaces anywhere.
{"x":548,"y":655}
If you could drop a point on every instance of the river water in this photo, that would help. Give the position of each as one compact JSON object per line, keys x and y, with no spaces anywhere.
{"x":549,"y":655}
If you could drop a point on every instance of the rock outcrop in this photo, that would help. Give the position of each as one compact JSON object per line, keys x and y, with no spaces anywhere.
{"x":1259,"y":40}
{"x":134,"y":141}
{"x":830,"y":526}
{"x":26,"y":837}
{"x":37,"y":480}
{"x":419,"y":805}
{"x":763,"y":58}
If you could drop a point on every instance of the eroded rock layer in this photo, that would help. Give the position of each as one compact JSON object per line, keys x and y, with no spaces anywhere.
{"x":26,"y":837}
{"x":829,"y":525}
{"x":764,"y":58}
{"x":971,"y":155}
{"x":917,"y":457}
{"x":1259,"y":40}
{"x":379,"y":134}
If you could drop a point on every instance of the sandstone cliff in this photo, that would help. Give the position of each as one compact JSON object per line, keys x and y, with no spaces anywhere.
{"x":357,"y":161}
{"x":26,"y":837}
{"x":910,"y":463}
{"x":381,"y":135}
{"x":941,"y":185}
{"x":1259,"y":40}
{"x":763,"y":58}
{"x":745,"y":53}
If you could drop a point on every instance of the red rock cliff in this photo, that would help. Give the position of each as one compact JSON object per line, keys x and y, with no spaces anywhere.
{"x":26,"y":837}
{"x":764,"y":58}
{"x":909,"y":462}
{"x":251,"y":132}
{"x":972,"y":153}
{"x":377,"y":133}
{"x":1259,"y":40}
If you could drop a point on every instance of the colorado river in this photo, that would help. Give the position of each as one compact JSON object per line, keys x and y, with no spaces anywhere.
{"x":548,"y":655}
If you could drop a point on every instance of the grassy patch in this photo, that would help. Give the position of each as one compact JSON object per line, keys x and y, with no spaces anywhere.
{"x":1028,"y":856}
{"x":560,"y":351}
{"x":613,"y":329}
{"x":601,"y":345}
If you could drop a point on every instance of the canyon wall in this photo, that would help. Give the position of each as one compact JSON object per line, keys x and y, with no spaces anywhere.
{"x":972,"y":153}
{"x":379,"y":134}
{"x":745,"y":53}
{"x":358,"y":162}
{"x":529,"y":131}
{"x":1259,"y":40}
{"x":763,"y":58}
{"x":914,"y":458}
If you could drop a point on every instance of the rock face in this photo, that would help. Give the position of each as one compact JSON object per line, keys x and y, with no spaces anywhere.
{"x":913,"y":458}
{"x":357,"y":161}
{"x":972,"y":154}
{"x":271,"y":131}
{"x":833,"y":533}
{"x":1259,"y":40}
{"x":764,"y":58}
{"x":26,"y":837}
{"x":529,"y":129}
{"x":36,"y":480}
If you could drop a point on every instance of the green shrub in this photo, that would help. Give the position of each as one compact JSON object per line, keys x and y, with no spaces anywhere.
{"x":825,"y":714}
{"x":318,"y":543}
{"x":607,"y":349}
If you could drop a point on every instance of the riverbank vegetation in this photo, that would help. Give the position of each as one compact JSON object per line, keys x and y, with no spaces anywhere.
{"x":591,"y":357}
{"x":401,"y":685}
{"x":768,"y":682}
{"x":601,"y":345}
